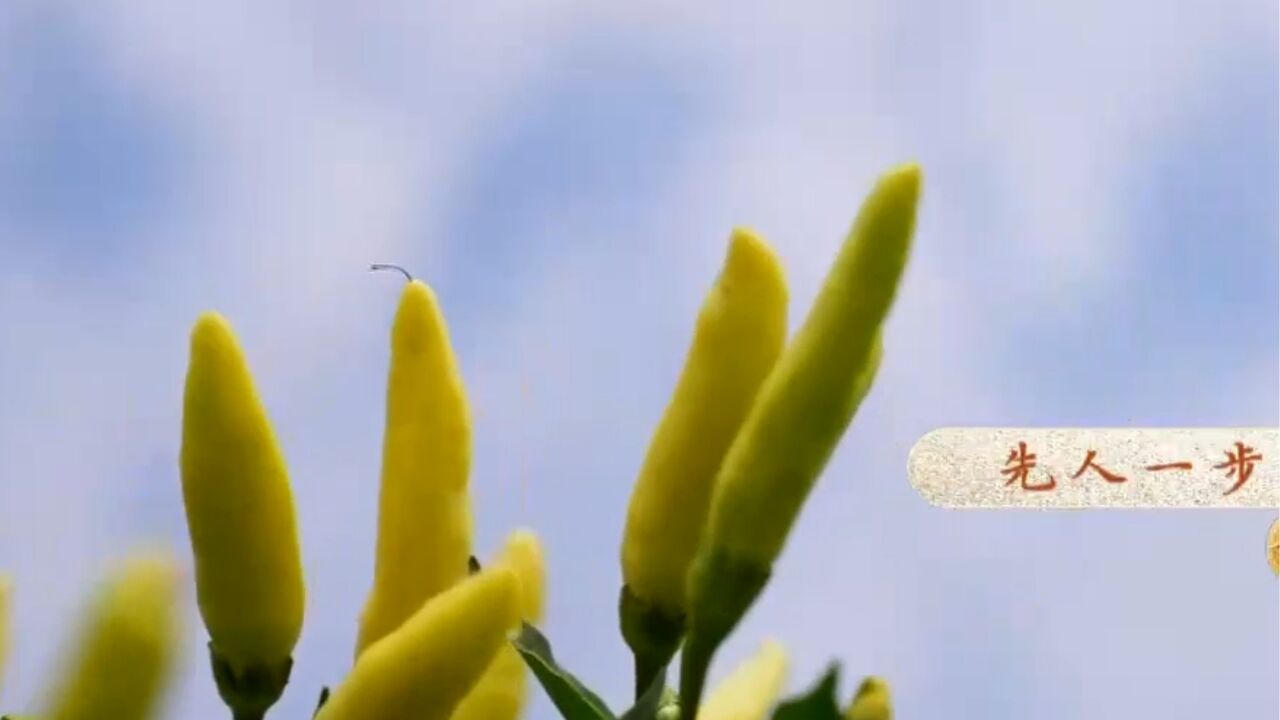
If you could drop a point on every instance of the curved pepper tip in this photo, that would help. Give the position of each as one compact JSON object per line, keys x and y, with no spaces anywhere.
{"x":210,"y":327}
{"x":418,"y":318}
{"x":418,"y":291}
{"x":906,"y":178}
{"x":213,"y":345}
{"x":872,"y":701}
{"x":752,"y":266}
{"x":749,"y":255}
{"x":523,"y":554}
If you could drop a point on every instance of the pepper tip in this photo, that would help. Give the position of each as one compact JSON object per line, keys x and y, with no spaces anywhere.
{"x":872,"y":685}
{"x":210,"y":327}
{"x":906,"y":177}
{"x":750,"y":256}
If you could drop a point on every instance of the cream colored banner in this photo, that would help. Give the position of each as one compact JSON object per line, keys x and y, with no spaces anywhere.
{"x":1098,"y":467}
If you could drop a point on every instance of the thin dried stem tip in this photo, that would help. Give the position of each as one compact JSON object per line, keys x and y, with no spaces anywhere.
{"x":386,"y":266}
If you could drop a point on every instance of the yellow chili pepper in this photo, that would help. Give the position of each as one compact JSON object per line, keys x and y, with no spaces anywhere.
{"x":808,"y":400}
{"x":751,"y":690}
{"x":872,"y":702}
{"x":523,"y":553}
{"x":799,"y":415}
{"x":5,"y":591}
{"x":424,"y":668}
{"x":240,"y":514}
{"x":739,"y":334}
{"x":127,"y":647}
{"x":502,"y":691}
{"x":424,"y":512}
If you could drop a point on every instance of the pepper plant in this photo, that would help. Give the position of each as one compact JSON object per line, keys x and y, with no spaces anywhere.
{"x":750,"y":426}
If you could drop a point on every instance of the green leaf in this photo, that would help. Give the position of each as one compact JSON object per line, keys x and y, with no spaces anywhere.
{"x":646,"y":708}
{"x":571,"y":697}
{"x":324,"y":698}
{"x":819,"y":703}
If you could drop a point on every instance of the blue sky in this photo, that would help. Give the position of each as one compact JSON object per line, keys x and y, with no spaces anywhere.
{"x":1097,"y":246}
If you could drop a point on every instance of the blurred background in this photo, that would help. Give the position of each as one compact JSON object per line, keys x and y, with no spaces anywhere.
{"x":1097,"y":246}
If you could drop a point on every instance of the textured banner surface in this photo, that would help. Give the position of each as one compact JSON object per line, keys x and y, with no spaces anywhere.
{"x":1098,"y":467}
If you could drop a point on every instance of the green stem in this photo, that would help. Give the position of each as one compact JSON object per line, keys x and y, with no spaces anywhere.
{"x":648,"y":671}
{"x":695,"y":660}
{"x":722,"y":589}
{"x":653,"y":636}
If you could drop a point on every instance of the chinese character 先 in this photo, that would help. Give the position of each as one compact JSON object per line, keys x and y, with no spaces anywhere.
{"x":1018,"y":467}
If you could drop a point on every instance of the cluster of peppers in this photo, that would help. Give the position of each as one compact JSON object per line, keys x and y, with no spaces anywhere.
{"x":751,"y":424}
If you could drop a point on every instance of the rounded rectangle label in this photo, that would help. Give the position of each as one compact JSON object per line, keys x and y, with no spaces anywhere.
{"x":1072,"y":468}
